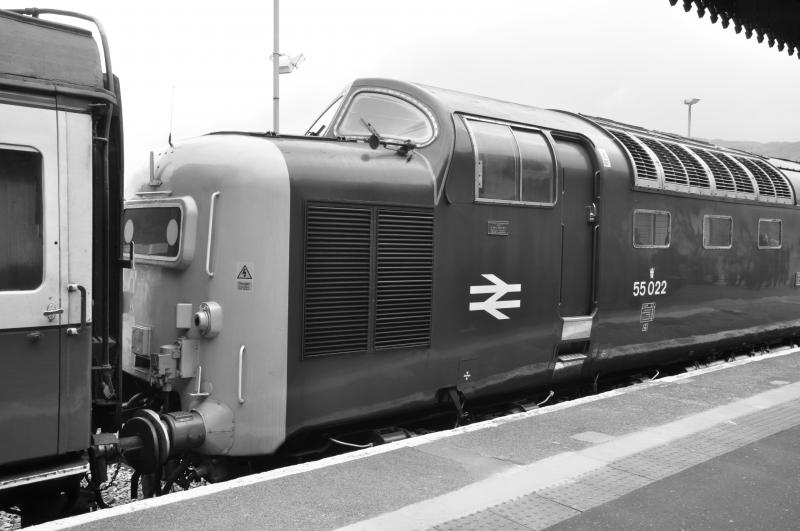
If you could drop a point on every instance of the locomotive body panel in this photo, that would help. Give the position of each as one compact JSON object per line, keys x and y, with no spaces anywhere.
{"x":699,"y":298}
{"x":362,"y":383}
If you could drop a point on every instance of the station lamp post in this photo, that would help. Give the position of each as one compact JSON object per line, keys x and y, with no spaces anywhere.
{"x":689,"y":102}
{"x":281,"y":64}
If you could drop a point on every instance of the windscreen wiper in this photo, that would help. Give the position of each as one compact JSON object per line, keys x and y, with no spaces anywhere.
{"x":375,"y":140}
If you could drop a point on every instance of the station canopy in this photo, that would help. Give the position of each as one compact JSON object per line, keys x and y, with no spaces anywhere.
{"x":775,"y":21}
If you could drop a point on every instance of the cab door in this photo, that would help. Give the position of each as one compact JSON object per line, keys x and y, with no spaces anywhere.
{"x":579,"y":215}
{"x":30,"y":292}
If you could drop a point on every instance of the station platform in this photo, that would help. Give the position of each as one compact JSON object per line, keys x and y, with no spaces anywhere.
{"x":714,"y":448}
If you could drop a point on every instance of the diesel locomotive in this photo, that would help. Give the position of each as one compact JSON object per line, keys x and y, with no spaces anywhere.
{"x":421,"y":246}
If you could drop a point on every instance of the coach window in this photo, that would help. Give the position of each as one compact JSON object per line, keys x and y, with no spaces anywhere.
{"x":392,"y":117}
{"x":769,"y":233}
{"x":21,"y":238}
{"x":651,"y":229}
{"x":717,"y":232}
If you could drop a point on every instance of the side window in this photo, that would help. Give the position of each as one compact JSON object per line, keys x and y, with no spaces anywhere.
{"x":21,"y":238}
{"x":496,"y":170}
{"x":391,"y":116}
{"x":769,"y":233}
{"x":651,"y":229}
{"x":322,"y":124}
{"x":513,"y":165}
{"x":717,"y":232}
{"x":537,"y":172}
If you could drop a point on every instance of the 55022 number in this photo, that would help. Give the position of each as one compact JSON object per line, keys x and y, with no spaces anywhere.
{"x":649,"y":288}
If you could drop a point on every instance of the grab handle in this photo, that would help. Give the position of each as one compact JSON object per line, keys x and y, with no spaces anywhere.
{"x":214,"y":197}
{"x":241,"y":360}
{"x":76,"y":331}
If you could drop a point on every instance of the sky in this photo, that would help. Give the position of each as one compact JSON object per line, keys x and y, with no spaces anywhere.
{"x":204,"y":66}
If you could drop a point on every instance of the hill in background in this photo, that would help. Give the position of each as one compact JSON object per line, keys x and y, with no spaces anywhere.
{"x":781,"y":150}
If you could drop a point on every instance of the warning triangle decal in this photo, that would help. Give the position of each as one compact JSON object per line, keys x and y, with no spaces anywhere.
{"x":244,"y":274}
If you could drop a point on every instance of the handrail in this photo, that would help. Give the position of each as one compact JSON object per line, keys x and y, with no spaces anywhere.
{"x":214,"y":197}
{"x":241,"y":359}
{"x":72,"y":288}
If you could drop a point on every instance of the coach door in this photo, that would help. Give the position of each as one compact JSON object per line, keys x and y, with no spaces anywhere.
{"x":30,"y":295}
{"x":578,"y":218}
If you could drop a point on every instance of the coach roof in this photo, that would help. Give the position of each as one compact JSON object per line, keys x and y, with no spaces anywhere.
{"x":39,"y":53}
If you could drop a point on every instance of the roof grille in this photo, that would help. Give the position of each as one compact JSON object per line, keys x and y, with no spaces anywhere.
{"x":404,"y":279}
{"x":743,"y":182}
{"x":694,"y":170}
{"x":762,"y":179}
{"x":645,"y":168}
{"x":337,"y":280}
{"x":778,"y":179}
{"x":722,"y":175}
{"x":673,"y":169}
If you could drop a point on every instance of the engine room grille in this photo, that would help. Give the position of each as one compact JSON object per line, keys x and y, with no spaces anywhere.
{"x":762,"y":179}
{"x":673,"y":169}
{"x":645,"y":168}
{"x":722,"y":175}
{"x":694,"y":170}
{"x":743,"y":182}
{"x":368,"y":279}
{"x":404,"y":279}
{"x":337,"y":280}
{"x":778,"y":180}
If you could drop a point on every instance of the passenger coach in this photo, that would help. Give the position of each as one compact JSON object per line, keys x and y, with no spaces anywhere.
{"x":420,"y":246}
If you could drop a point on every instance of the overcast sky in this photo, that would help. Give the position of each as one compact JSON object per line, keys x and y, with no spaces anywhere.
{"x":630,"y":60}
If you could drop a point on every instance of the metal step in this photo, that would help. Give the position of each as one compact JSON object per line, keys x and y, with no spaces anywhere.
{"x":63,"y":469}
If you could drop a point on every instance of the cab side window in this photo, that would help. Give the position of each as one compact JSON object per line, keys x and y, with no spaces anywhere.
{"x":21,"y":238}
{"x":512,"y":165}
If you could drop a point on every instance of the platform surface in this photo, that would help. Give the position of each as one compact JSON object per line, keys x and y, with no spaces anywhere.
{"x":715,"y":448}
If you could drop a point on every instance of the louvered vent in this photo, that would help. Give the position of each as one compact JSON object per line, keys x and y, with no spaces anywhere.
{"x":645,"y":168}
{"x":337,"y":280}
{"x":762,"y":179}
{"x":778,"y":179}
{"x":722,"y":176}
{"x":673,"y":169}
{"x":694,"y":170}
{"x":742,"y":180}
{"x":404,"y":279}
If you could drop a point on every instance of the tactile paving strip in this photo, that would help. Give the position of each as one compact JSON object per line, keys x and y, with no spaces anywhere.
{"x":482,"y":521}
{"x":535,"y":512}
{"x":594,"y":488}
{"x":548,"y":506}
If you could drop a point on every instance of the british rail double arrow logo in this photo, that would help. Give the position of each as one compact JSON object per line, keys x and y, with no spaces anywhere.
{"x":493,"y":304}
